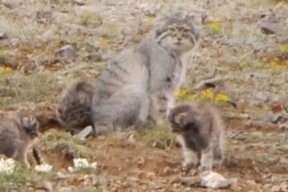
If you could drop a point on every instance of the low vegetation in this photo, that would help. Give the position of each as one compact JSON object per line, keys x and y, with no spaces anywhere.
{"x":46,"y":44}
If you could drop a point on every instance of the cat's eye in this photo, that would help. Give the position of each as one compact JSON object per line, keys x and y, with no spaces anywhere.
{"x":185,"y":30}
{"x":172,"y":29}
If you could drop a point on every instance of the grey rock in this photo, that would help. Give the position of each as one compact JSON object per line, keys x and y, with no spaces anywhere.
{"x":95,"y":57}
{"x":270,"y":28}
{"x":3,"y":36}
{"x":240,"y":137}
{"x":67,"y":52}
{"x":44,"y":16}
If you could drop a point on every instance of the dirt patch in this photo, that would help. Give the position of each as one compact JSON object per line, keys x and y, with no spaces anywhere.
{"x":135,"y":165}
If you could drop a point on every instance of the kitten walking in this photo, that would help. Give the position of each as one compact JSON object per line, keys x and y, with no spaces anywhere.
{"x":199,"y":130}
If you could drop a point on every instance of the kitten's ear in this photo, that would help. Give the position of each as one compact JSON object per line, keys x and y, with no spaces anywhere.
{"x":180,"y":118}
{"x":25,"y":119}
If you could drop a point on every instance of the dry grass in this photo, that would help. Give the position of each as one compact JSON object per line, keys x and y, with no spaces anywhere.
{"x":255,"y":65}
{"x":17,"y":88}
{"x":159,"y":137}
{"x":65,"y":145}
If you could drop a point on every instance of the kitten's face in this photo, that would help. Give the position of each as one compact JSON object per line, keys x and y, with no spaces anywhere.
{"x":30,"y":125}
{"x":177,"y":36}
{"x":183,"y":123}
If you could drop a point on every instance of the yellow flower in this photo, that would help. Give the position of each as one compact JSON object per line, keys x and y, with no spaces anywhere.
{"x":8,"y":69}
{"x":214,"y":25}
{"x":5,"y":70}
{"x":104,"y":42}
{"x":191,"y":97}
{"x":182,"y":93}
{"x":274,"y":63}
{"x":242,"y":65}
{"x":204,"y":94}
{"x":151,"y":18}
{"x":284,"y":48}
{"x":207,"y":94}
{"x":222,"y":98}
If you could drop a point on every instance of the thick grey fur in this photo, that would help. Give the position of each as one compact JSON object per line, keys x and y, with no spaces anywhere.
{"x":137,"y":78}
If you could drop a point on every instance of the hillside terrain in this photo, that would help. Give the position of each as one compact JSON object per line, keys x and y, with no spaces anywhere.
{"x":44,"y":45}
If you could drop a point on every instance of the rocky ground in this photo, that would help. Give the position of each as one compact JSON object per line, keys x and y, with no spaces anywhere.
{"x":46,"y":44}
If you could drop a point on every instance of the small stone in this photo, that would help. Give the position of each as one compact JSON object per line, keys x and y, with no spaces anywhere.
{"x":141,"y":161}
{"x":240,"y":137}
{"x":44,"y":16}
{"x":214,"y":180}
{"x":251,"y":182}
{"x":10,"y":3}
{"x":191,"y":181}
{"x":80,"y":2}
{"x":67,"y":52}
{"x":166,"y":170}
{"x":3,"y":36}
{"x":47,"y":186}
{"x":66,"y":189}
{"x":270,"y":27}
{"x":95,"y":57}
{"x":60,"y":175}
{"x":84,"y":133}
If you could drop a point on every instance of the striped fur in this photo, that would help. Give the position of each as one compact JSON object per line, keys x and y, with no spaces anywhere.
{"x":129,"y":90}
{"x":199,"y":130}
{"x":17,"y":136}
{"x":164,"y":47}
{"x":74,"y":109}
{"x":120,"y":97}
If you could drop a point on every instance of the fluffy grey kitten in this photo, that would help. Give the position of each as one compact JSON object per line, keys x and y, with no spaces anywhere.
{"x":199,"y":130}
{"x":139,"y":78}
{"x":17,"y":136}
{"x":74,"y":109}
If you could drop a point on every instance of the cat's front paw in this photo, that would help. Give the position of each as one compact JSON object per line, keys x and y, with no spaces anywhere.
{"x":187,"y":167}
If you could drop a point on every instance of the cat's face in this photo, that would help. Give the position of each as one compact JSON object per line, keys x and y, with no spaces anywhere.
{"x":179,"y":36}
{"x":30,"y":125}
{"x":182,"y":120}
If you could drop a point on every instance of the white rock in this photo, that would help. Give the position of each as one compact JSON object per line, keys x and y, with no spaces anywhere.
{"x":213,"y":180}
{"x":67,"y":52}
{"x":44,"y":168}
{"x":84,"y":133}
